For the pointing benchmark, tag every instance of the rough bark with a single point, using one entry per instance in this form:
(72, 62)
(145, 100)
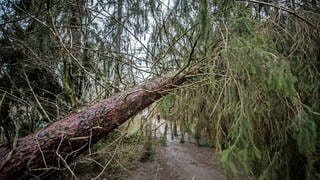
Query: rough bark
(117, 70)
(65, 139)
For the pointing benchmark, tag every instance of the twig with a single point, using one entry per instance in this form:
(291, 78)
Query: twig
(189, 58)
(158, 126)
(63, 160)
(38, 144)
(96, 162)
(104, 168)
(55, 33)
(290, 11)
(90, 139)
(35, 97)
(1, 101)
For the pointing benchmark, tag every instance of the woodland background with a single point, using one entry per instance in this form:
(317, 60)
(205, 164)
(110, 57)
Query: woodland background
(256, 97)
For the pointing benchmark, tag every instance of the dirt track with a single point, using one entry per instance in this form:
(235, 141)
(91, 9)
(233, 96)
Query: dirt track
(179, 161)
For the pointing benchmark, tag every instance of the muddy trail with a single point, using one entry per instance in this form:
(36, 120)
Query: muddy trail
(178, 161)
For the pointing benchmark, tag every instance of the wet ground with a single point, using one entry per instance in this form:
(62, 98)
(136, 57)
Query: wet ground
(178, 161)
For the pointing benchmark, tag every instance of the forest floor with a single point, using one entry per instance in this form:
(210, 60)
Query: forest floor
(178, 161)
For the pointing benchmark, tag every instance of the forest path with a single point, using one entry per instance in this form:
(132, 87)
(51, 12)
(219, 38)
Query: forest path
(179, 161)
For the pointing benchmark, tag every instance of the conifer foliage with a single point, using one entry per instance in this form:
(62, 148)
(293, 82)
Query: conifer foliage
(258, 96)
(255, 96)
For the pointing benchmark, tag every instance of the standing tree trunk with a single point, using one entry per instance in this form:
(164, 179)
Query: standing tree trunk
(117, 70)
(73, 75)
(56, 145)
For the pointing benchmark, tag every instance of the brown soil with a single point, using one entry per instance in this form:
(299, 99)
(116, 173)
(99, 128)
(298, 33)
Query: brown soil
(178, 161)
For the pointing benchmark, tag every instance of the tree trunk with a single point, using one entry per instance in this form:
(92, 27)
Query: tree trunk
(56, 145)
(117, 70)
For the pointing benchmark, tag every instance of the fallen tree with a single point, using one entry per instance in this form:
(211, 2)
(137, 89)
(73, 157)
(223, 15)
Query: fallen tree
(56, 145)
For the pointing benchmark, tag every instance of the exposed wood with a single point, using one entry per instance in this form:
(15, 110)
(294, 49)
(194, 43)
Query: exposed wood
(63, 140)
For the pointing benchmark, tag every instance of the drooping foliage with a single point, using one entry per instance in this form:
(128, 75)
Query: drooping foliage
(258, 97)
